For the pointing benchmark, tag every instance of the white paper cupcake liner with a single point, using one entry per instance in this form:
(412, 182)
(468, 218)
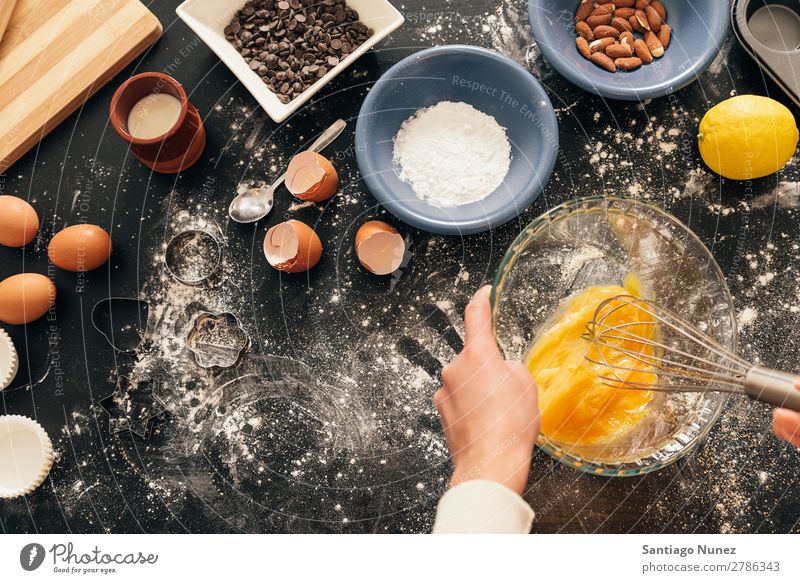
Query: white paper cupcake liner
(21, 436)
(9, 362)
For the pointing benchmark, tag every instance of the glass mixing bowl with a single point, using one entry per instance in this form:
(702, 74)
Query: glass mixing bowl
(597, 241)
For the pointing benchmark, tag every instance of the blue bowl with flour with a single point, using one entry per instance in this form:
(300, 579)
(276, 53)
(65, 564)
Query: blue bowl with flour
(698, 31)
(492, 84)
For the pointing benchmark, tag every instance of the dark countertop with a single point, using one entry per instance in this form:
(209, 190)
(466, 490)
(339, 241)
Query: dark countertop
(348, 441)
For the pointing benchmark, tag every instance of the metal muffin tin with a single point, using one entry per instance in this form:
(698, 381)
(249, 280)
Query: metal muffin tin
(769, 30)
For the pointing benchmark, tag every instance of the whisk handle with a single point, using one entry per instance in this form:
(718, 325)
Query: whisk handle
(776, 388)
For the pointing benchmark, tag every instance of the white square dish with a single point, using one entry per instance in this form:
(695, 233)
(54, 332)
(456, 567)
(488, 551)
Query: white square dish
(208, 19)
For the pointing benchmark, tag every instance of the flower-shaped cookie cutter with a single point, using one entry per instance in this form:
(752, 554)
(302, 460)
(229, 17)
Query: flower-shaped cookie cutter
(217, 339)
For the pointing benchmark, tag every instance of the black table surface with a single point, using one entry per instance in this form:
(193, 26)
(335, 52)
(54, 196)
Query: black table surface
(327, 423)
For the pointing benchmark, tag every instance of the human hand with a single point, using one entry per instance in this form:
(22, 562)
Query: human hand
(489, 407)
(786, 424)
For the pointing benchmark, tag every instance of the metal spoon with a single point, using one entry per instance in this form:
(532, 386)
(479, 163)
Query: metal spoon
(254, 204)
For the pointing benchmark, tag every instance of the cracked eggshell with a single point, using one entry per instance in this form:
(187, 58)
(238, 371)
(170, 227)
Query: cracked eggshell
(80, 248)
(25, 297)
(292, 247)
(19, 222)
(311, 177)
(379, 247)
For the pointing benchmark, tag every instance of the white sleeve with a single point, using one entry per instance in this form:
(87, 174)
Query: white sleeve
(482, 507)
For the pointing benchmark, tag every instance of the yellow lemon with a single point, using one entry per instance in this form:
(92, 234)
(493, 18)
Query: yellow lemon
(748, 136)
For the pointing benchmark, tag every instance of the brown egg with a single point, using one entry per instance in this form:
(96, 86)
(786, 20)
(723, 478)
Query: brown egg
(19, 222)
(292, 247)
(379, 247)
(311, 177)
(25, 297)
(80, 248)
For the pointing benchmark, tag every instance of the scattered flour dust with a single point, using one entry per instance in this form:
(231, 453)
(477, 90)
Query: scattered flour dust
(502, 26)
(452, 154)
(786, 195)
(747, 317)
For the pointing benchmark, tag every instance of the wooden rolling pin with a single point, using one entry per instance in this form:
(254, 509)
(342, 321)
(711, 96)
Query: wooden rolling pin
(6, 8)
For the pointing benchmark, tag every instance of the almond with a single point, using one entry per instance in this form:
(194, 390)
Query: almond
(628, 63)
(655, 46)
(584, 30)
(583, 47)
(653, 18)
(641, 18)
(625, 13)
(621, 24)
(605, 31)
(584, 10)
(617, 51)
(598, 20)
(635, 25)
(607, 8)
(641, 50)
(659, 7)
(601, 44)
(604, 61)
(665, 35)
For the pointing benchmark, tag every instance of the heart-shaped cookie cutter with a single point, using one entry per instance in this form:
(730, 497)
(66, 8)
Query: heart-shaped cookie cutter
(143, 321)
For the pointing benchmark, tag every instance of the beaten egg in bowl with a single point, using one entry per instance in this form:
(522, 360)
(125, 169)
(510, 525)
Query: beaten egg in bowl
(577, 405)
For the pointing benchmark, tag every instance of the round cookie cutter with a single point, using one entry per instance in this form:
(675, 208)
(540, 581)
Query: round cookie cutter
(193, 255)
(9, 360)
(26, 456)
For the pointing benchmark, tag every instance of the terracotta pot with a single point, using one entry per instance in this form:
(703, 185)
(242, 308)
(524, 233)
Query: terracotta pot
(181, 146)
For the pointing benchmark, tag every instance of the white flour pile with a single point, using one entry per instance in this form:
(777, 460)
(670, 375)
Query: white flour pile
(452, 154)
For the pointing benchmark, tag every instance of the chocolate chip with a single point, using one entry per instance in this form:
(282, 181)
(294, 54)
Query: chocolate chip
(291, 44)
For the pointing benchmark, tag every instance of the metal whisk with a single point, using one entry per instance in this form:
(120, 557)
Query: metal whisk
(676, 357)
